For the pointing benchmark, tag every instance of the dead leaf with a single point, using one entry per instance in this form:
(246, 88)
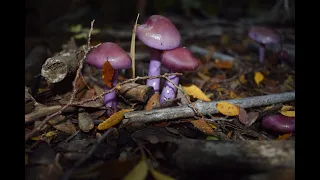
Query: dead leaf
(203, 126)
(242, 79)
(153, 102)
(203, 76)
(85, 121)
(284, 136)
(243, 116)
(107, 73)
(114, 119)
(194, 91)
(228, 109)
(223, 64)
(258, 77)
(50, 134)
(60, 123)
(287, 111)
(139, 172)
(213, 138)
(159, 176)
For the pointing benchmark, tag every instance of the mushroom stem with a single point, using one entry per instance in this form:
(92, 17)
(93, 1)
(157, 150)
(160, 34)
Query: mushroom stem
(261, 52)
(110, 99)
(154, 70)
(169, 90)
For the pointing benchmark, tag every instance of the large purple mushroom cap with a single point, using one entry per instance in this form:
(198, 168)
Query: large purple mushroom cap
(112, 52)
(264, 35)
(179, 59)
(279, 123)
(159, 32)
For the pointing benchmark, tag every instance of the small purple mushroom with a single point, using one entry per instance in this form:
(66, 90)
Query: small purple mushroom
(118, 59)
(263, 36)
(279, 123)
(158, 33)
(176, 60)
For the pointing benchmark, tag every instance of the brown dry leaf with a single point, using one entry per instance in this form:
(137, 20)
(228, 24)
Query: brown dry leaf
(153, 102)
(60, 123)
(90, 93)
(284, 136)
(203, 126)
(258, 77)
(114, 119)
(196, 92)
(247, 118)
(214, 86)
(243, 116)
(269, 82)
(228, 109)
(288, 111)
(233, 95)
(107, 73)
(223, 64)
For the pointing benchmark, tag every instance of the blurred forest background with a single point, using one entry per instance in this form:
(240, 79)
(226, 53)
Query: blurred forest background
(45, 18)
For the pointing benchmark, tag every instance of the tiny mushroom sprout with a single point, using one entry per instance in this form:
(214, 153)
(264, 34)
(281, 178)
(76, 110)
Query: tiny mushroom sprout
(117, 58)
(263, 36)
(158, 33)
(176, 60)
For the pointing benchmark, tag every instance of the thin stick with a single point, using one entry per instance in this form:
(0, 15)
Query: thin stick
(132, 48)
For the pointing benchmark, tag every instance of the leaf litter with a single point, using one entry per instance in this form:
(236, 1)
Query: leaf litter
(86, 132)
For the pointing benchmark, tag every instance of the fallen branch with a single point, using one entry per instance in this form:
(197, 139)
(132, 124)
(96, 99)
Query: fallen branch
(204, 108)
(256, 156)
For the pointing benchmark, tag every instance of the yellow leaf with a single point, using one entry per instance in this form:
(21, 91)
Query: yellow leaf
(228, 109)
(242, 79)
(288, 113)
(76, 28)
(258, 77)
(114, 119)
(139, 172)
(203, 76)
(268, 107)
(159, 176)
(203, 126)
(194, 91)
(286, 108)
(37, 138)
(50, 134)
(212, 126)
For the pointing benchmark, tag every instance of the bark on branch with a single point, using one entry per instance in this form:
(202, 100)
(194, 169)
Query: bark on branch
(204, 108)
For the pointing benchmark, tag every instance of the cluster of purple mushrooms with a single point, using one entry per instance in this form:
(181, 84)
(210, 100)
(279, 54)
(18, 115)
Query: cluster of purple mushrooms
(163, 39)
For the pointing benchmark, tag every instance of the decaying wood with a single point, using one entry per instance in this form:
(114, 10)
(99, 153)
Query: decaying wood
(257, 156)
(204, 108)
(56, 68)
(136, 92)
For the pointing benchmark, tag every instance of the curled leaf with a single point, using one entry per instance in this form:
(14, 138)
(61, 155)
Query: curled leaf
(228, 109)
(287, 111)
(196, 92)
(107, 74)
(114, 119)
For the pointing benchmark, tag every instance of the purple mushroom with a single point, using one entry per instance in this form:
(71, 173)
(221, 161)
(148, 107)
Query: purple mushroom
(263, 36)
(158, 33)
(176, 60)
(279, 123)
(118, 59)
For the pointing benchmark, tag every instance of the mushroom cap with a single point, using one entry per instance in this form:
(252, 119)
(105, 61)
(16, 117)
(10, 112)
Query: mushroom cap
(159, 32)
(112, 52)
(179, 59)
(264, 35)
